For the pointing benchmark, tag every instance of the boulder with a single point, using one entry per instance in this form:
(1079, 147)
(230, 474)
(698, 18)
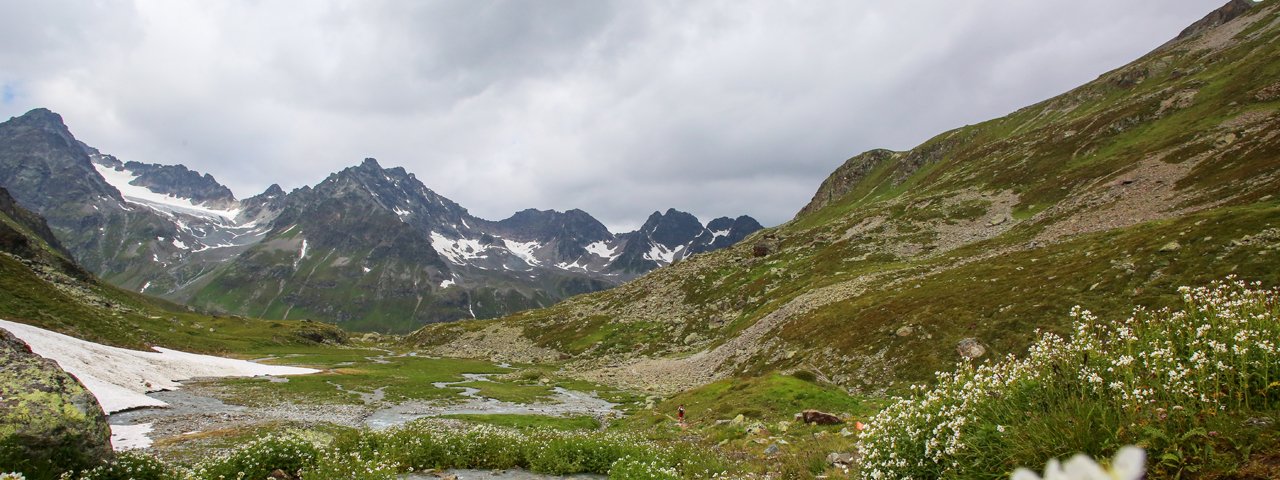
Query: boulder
(970, 349)
(772, 449)
(818, 418)
(49, 423)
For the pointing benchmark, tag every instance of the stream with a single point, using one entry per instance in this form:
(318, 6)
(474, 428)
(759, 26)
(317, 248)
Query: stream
(565, 402)
(192, 410)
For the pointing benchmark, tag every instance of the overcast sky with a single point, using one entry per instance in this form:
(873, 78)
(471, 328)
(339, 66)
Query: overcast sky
(618, 108)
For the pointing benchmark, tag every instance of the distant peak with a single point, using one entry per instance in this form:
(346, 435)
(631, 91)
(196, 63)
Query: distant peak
(370, 162)
(273, 190)
(42, 115)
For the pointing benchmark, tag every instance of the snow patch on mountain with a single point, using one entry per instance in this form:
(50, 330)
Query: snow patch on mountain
(603, 250)
(301, 254)
(524, 250)
(165, 204)
(661, 254)
(457, 251)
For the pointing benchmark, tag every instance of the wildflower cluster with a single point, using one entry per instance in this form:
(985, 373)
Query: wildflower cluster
(258, 458)
(129, 465)
(1154, 379)
(424, 445)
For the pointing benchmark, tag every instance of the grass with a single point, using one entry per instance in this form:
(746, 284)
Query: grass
(426, 445)
(403, 379)
(105, 314)
(770, 398)
(525, 422)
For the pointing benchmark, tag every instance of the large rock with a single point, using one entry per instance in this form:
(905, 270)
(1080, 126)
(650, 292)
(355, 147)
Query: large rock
(818, 417)
(49, 423)
(970, 349)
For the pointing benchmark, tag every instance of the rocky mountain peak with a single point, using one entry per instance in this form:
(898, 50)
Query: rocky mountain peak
(1224, 14)
(672, 228)
(273, 191)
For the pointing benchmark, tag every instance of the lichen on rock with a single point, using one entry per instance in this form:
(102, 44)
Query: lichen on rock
(49, 422)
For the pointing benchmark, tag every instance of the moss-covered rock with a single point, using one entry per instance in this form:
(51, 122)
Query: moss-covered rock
(49, 423)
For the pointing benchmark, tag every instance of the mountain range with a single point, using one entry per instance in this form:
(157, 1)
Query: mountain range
(369, 247)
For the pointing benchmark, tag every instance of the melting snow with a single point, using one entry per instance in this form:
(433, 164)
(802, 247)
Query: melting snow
(659, 253)
(602, 250)
(366, 269)
(120, 377)
(719, 233)
(571, 266)
(447, 283)
(456, 250)
(160, 202)
(401, 212)
(524, 250)
(301, 254)
(144, 287)
(179, 244)
(129, 437)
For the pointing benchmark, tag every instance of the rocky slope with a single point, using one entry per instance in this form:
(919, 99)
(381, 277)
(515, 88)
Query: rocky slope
(1164, 172)
(386, 252)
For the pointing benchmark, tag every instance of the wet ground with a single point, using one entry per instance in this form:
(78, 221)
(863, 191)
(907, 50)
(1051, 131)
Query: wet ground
(194, 409)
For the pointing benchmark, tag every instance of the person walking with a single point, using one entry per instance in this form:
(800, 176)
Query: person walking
(680, 414)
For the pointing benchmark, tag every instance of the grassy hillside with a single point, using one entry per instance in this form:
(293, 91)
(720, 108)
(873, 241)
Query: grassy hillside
(41, 286)
(1158, 174)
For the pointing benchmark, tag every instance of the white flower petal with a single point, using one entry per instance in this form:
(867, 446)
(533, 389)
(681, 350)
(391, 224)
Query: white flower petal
(1053, 471)
(1129, 464)
(1024, 474)
(1082, 467)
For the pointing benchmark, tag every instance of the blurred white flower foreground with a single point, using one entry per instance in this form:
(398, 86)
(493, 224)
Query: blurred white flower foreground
(1128, 464)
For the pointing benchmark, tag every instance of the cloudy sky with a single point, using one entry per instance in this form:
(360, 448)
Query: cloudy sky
(618, 108)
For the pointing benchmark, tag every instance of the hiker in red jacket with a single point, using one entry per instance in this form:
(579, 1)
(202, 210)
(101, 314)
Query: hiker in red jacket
(680, 414)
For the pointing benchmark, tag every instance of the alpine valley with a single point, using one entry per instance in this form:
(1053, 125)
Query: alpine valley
(1094, 278)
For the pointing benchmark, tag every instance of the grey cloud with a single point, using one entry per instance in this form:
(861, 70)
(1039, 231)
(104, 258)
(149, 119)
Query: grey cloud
(619, 108)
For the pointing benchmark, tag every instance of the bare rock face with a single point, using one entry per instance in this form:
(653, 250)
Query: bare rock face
(49, 423)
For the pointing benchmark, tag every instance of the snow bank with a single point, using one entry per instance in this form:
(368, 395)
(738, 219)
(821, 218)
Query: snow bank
(120, 378)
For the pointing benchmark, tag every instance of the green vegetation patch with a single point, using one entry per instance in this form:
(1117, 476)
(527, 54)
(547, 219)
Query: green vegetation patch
(523, 422)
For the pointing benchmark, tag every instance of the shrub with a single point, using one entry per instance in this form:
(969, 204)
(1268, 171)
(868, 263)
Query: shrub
(259, 458)
(1174, 382)
(130, 465)
(628, 468)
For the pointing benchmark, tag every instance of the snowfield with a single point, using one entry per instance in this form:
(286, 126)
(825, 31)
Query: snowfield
(120, 378)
